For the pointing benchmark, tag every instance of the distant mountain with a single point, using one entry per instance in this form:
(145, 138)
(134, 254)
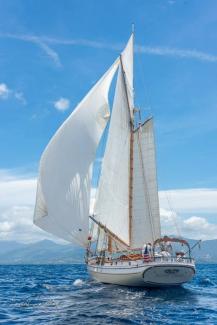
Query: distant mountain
(48, 252)
(42, 252)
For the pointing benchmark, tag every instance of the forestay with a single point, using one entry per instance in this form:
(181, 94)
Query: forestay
(64, 183)
(146, 218)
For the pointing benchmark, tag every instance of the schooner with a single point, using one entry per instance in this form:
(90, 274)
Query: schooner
(122, 235)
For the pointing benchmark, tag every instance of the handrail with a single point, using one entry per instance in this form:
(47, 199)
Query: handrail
(157, 259)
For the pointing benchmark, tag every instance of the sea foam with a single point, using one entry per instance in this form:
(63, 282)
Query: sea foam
(78, 282)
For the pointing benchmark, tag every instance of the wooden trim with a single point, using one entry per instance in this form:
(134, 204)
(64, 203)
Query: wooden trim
(131, 187)
(109, 244)
(131, 157)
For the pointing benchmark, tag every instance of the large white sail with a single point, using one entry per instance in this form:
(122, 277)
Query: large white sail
(146, 218)
(63, 193)
(127, 59)
(112, 203)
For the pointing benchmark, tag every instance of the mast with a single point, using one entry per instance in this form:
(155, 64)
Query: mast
(131, 114)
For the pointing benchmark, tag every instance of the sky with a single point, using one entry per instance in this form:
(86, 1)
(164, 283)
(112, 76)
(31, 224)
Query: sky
(52, 52)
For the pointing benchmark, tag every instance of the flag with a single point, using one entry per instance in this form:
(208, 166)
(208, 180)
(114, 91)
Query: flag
(146, 256)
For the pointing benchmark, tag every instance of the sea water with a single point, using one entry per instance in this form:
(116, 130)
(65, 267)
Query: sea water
(64, 294)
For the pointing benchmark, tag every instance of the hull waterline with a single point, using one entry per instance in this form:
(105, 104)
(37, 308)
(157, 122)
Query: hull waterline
(146, 275)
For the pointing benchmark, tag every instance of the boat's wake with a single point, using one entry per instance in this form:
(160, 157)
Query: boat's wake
(78, 283)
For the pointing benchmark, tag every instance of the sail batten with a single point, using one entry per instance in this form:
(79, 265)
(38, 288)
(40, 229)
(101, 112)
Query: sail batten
(64, 183)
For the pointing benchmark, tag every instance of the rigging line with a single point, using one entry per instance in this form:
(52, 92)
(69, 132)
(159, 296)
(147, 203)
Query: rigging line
(174, 219)
(114, 237)
(147, 197)
(147, 91)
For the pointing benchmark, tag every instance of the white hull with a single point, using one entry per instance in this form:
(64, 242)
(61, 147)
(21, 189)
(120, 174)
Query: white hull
(149, 274)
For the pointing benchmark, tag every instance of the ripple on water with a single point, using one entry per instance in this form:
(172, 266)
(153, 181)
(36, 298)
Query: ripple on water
(64, 294)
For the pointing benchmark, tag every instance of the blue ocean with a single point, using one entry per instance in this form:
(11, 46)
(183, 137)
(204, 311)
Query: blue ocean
(64, 294)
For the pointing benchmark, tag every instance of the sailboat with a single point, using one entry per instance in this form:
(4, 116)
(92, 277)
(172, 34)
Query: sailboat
(122, 235)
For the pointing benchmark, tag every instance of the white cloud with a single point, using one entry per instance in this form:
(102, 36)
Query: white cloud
(20, 96)
(199, 228)
(193, 227)
(43, 42)
(6, 226)
(62, 104)
(17, 194)
(39, 42)
(17, 225)
(4, 91)
(175, 52)
(170, 223)
(189, 202)
(49, 51)
(196, 200)
(139, 48)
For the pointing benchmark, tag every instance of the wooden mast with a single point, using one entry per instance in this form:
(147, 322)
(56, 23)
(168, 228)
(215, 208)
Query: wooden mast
(131, 186)
(131, 115)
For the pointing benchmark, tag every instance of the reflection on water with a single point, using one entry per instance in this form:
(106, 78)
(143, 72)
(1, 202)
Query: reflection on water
(64, 294)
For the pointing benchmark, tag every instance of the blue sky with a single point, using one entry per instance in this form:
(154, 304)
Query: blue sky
(52, 52)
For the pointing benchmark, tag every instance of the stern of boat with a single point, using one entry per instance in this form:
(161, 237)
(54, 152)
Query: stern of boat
(169, 273)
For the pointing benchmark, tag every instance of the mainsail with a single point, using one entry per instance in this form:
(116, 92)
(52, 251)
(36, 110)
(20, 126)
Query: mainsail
(64, 183)
(146, 218)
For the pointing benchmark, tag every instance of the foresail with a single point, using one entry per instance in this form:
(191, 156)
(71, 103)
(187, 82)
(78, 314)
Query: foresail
(112, 203)
(64, 183)
(146, 218)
